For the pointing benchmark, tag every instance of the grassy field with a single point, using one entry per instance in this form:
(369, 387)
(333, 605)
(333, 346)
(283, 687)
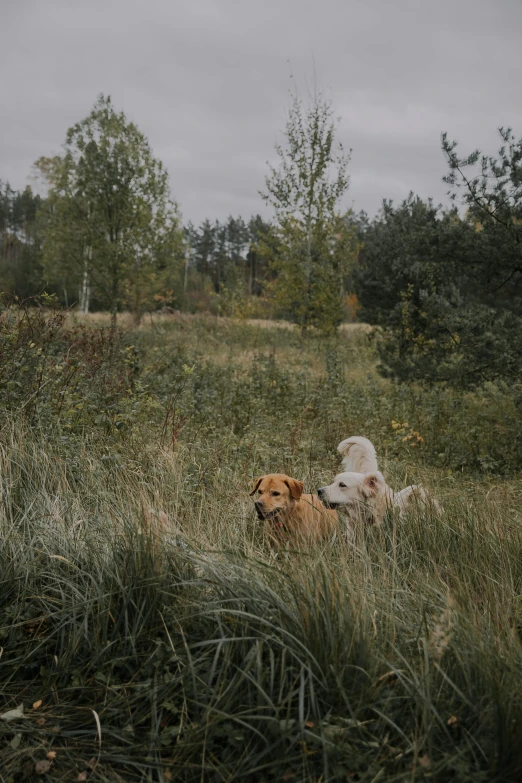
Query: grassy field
(148, 629)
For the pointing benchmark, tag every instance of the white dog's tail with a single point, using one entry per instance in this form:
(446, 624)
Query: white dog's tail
(358, 455)
(415, 495)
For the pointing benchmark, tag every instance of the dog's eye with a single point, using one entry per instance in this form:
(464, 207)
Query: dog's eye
(342, 485)
(276, 494)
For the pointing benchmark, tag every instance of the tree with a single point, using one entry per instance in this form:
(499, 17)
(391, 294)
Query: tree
(314, 238)
(259, 254)
(111, 226)
(493, 197)
(414, 249)
(20, 242)
(219, 249)
(449, 288)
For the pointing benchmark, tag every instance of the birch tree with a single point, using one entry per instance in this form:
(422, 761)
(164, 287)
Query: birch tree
(315, 241)
(112, 228)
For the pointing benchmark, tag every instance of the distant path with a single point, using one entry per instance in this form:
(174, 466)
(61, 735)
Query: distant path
(127, 320)
(266, 322)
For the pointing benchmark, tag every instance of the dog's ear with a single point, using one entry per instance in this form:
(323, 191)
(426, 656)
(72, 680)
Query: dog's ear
(371, 484)
(296, 488)
(258, 482)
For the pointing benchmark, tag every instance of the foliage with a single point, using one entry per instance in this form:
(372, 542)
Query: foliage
(68, 380)
(231, 257)
(229, 381)
(314, 241)
(415, 248)
(111, 224)
(148, 630)
(449, 287)
(20, 242)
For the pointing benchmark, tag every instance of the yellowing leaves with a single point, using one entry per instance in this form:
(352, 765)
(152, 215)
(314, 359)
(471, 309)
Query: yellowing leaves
(413, 437)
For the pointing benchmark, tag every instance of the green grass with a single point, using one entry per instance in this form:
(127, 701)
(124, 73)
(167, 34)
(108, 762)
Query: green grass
(189, 650)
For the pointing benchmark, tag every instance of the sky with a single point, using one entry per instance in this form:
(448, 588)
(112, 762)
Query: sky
(209, 83)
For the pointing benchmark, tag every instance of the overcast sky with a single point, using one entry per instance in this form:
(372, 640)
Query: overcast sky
(208, 82)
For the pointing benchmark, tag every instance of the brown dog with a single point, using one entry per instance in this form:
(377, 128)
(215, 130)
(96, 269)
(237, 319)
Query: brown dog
(289, 515)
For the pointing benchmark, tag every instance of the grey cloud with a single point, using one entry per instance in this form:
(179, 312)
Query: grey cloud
(208, 82)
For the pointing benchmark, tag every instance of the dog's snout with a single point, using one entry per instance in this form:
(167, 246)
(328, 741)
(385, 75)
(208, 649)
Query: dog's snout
(258, 504)
(320, 492)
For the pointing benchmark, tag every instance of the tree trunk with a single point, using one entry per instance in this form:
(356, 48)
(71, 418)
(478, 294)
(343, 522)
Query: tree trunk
(308, 271)
(138, 312)
(85, 289)
(251, 271)
(114, 300)
(185, 278)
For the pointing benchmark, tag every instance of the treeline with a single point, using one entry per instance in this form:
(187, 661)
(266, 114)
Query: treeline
(219, 255)
(108, 235)
(444, 284)
(225, 261)
(20, 242)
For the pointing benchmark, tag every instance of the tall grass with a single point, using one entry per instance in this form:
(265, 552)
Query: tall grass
(151, 633)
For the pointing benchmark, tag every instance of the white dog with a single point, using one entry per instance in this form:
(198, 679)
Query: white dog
(361, 492)
(367, 497)
(358, 455)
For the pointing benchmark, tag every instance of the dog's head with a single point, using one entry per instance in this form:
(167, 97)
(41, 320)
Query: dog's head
(276, 494)
(352, 490)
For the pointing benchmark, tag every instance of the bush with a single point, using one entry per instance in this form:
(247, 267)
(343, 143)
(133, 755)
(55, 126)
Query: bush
(68, 379)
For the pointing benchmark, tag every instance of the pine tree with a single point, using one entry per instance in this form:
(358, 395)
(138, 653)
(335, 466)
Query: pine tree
(448, 286)
(20, 242)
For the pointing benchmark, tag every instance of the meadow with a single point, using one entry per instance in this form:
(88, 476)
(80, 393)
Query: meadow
(148, 632)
